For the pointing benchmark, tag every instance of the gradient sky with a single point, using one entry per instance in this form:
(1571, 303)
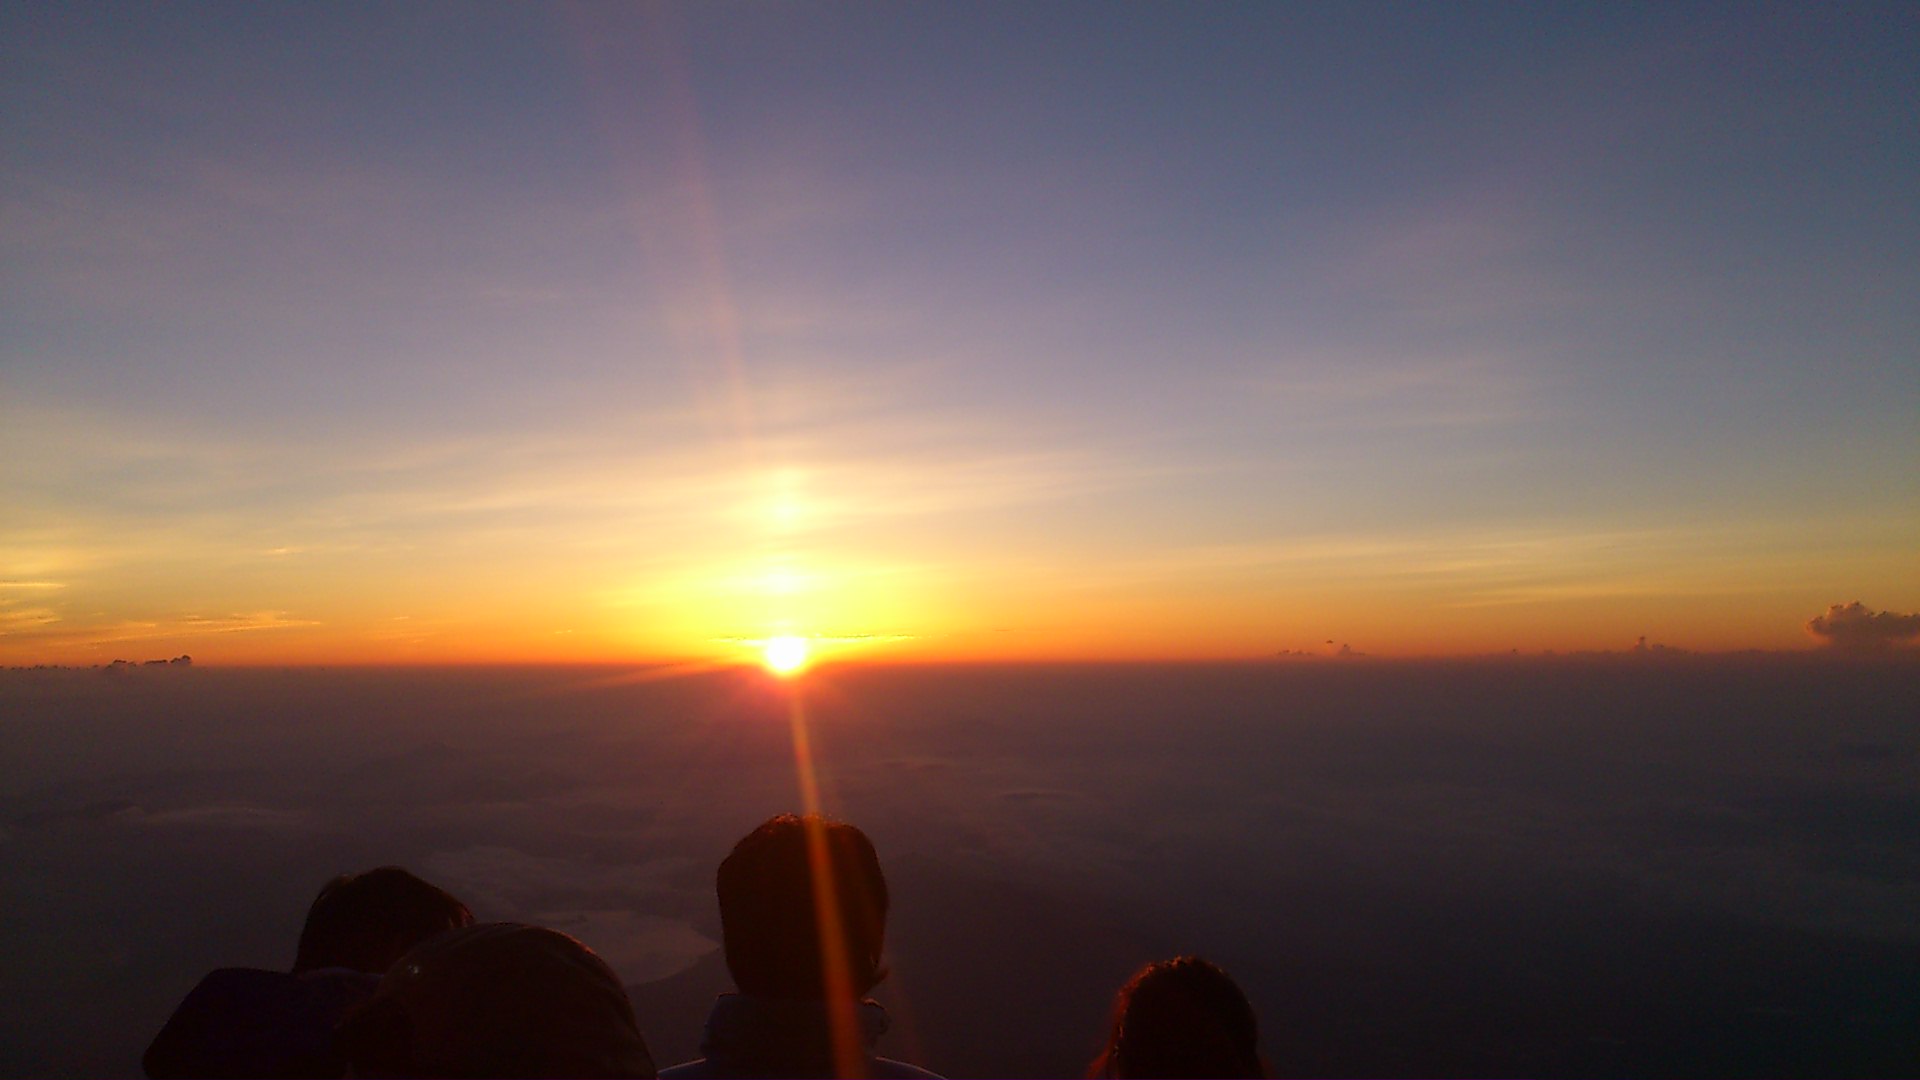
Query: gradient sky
(419, 332)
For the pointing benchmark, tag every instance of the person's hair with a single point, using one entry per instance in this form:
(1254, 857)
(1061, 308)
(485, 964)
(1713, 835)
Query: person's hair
(1181, 1018)
(366, 921)
(497, 1000)
(770, 888)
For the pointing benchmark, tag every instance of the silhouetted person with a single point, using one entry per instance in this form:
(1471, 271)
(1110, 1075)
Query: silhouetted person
(497, 1000)
(803, 915)
(249, 1022)
(1181, 1018)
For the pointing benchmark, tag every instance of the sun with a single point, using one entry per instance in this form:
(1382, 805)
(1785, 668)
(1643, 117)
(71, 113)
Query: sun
(785, 656)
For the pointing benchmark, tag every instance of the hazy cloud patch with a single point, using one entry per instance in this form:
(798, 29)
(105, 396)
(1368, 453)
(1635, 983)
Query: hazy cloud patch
(642, 948)
(1856, 627)
(230, 816)
(1780, 884)
(503, 882)
(1036, 795)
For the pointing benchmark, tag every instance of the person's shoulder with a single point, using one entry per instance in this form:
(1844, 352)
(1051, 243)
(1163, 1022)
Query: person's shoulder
(224, 990)
(889, 1069)
(251, 990)
(879, 1068)
(236, 980)
(253, 1022)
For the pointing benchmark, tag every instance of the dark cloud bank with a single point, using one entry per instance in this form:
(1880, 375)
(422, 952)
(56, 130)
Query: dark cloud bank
(1625, 865)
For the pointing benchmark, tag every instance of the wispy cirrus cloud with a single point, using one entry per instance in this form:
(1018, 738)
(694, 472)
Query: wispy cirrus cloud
(1347, 393)
(21, 619)
(55, 632)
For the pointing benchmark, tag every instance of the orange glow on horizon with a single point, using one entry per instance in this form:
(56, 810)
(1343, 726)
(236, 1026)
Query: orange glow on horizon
(790, 608)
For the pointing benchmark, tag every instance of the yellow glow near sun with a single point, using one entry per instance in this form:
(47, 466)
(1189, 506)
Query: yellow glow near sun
(785, 655)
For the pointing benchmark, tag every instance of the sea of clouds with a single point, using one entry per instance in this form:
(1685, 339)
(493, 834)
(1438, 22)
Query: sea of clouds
(1625, 865)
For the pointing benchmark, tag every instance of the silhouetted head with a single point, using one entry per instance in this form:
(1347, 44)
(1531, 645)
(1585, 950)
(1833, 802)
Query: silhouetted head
(494, 1000)
(1181, 1017)
(365, 921)
(771, 888)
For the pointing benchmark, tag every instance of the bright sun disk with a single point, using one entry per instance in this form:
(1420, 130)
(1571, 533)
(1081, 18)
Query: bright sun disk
(785, 655)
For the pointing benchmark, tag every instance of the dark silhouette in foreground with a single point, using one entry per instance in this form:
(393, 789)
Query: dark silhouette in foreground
(803, 915)
(498, 1000)
(246, 1022)
(1181, 1018)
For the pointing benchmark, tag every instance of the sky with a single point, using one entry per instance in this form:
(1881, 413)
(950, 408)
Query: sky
(427, 333)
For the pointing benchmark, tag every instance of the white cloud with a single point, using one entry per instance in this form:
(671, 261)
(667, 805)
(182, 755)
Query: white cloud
(1858, 628)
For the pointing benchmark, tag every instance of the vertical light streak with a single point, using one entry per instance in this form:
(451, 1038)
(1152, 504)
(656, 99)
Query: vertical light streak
(841, 999)
(634, 114)
(648, 104)
(802, 752)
